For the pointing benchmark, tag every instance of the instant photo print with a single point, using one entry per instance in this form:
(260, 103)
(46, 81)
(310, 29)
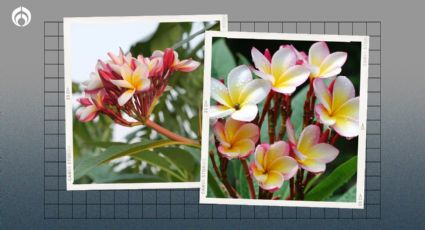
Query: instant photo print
(287, 119)
(132, 87)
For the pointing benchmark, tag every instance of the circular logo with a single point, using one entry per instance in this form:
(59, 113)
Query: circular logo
(21, 16)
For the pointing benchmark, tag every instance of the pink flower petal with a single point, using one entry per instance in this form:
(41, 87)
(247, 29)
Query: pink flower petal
(248, 131)
(286, 165)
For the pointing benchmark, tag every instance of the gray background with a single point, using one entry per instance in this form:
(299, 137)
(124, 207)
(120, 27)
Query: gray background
(22, 110)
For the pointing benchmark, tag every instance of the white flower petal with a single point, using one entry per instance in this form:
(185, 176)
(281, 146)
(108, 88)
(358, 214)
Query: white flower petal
(282, 60)
(323, 153)
(220, 93)
(322, 93)
(260, 61)
(125, 97)
(308, 138)
(323, 115)
(343, 90)
(264, 76)
(122, 83)
(254, 92)
(317, 53)
(219, 111)
(236, 80)
(333, 61)
(246, 113)
(295, 76)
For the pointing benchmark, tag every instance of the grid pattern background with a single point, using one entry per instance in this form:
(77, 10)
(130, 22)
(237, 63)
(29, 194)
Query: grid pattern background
(184, 204)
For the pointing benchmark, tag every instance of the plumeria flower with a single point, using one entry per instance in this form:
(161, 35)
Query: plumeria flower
(94, 84)
(309, 153)
(154, 64)
(91, 106)
(133, 81)
(272, 165)
(171, 59)
(324, 64)
(338, 108)
(241, 97)
(282, 71)
(237, 139)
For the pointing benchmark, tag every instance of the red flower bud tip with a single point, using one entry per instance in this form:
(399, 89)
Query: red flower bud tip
(168, 58)
(268, 55)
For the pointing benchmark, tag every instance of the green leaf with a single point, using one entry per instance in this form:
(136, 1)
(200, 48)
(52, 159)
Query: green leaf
(165, 36)
(348, 196)
(214, 187)
(84, 164)
(153, 157)
(222, 59)
(104, 144)
(104, 174)
(242, 187)
(337, 178)
(242, 60)
(180, 158)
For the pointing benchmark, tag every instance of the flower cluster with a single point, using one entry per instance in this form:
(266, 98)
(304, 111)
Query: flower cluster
(129, 85)
(331, 109)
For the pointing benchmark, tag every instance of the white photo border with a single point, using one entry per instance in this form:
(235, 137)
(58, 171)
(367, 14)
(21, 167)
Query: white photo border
(67, 22)
(363, 91)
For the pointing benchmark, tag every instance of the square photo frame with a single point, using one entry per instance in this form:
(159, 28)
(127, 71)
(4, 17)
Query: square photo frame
(132, 87)
(287, 119)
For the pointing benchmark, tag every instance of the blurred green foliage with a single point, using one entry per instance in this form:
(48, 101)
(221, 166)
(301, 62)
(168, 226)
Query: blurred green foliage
(146, 156)
(338, 183)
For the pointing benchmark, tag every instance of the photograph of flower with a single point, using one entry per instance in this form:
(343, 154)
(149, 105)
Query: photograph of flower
(132, 100)
(287, 117)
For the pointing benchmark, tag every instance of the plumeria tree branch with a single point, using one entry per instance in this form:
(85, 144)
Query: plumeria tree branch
(248, 178)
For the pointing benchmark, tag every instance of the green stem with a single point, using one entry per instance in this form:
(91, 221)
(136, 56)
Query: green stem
(171, 135)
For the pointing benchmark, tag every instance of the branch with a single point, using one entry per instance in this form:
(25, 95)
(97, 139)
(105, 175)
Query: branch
(248, 178)
(170, 134)
(186, 40)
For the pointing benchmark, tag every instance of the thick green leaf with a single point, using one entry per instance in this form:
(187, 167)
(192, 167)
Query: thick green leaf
(153, 157)
(348, 196)
(242, 60)
(242, 187)
(105, 174)
(165, 36)
(179, 157)
(214, 187)
(84, 164)
(335, 180)
(222, 59)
